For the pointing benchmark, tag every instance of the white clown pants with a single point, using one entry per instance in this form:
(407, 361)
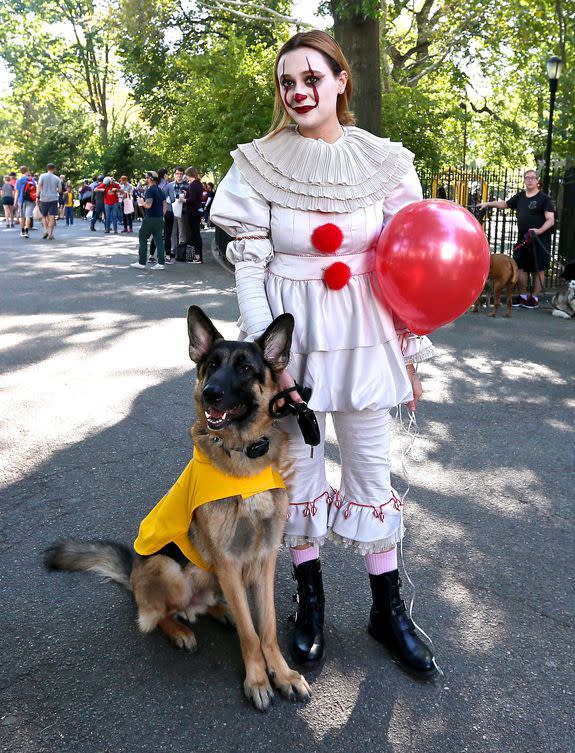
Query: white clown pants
(365, 512)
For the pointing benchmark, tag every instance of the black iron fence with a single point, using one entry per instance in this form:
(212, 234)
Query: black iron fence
(470, 187)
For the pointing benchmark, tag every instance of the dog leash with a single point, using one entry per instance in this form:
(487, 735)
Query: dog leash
(305, 417)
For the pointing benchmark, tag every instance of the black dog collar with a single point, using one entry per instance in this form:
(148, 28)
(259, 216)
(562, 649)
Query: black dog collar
(254, 450)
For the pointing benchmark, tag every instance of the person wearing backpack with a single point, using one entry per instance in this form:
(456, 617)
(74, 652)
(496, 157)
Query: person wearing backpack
(27, 195)
(49, 190)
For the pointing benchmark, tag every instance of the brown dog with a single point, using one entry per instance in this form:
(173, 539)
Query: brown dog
(503, 271)
(236, 538)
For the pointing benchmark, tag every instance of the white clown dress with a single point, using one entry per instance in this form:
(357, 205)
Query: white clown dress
(280, 202)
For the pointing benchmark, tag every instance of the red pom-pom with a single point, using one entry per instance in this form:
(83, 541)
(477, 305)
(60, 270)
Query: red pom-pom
(327, 238)
(337, 275)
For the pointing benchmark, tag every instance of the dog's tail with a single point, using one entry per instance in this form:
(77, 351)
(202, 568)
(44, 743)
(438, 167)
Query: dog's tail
(111, 560)
(515, 271)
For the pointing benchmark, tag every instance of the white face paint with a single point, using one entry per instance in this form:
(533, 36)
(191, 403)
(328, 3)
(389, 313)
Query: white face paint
(309, 88)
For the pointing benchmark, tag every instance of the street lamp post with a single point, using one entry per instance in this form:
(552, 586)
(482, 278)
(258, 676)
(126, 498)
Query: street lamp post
(554, 68)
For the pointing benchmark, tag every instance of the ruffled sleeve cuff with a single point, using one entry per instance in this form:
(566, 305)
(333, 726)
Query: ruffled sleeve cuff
(415, 348)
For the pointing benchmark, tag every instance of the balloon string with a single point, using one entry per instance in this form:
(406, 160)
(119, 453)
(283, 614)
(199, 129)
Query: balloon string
(412, 432)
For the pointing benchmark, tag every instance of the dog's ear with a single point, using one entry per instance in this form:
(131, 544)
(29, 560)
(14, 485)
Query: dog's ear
(276, 342)
(201, 333)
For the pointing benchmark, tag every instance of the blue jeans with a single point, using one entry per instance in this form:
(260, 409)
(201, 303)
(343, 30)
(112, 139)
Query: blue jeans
(96, 212)
(69, 215)
(111, 213)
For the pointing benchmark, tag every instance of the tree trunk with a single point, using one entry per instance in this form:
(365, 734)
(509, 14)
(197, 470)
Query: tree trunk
(359, 39)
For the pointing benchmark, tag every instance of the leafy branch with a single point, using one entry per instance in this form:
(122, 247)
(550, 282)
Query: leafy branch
(252, 11)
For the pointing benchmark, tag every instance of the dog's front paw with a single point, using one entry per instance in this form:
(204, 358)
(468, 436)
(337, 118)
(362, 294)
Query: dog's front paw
(259, 692)
(292, 685)
(182, 636)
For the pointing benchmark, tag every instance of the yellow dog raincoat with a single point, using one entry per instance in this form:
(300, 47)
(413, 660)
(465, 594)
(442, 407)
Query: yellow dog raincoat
(200, 482)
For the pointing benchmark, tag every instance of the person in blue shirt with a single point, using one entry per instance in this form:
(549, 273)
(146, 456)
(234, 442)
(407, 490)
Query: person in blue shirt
(153, 222)
(26, 201)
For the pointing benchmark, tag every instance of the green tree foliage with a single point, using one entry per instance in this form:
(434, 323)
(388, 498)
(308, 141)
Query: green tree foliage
(70, 40)
(491, 58)
(528, 33)
(449, 67)
(125, 85)
(205, 86)
(222, 97)
(67, 102)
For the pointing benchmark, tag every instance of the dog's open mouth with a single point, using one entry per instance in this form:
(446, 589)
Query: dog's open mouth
(218, 419)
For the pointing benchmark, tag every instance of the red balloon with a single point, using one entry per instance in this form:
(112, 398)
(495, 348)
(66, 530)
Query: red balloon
(432, 263)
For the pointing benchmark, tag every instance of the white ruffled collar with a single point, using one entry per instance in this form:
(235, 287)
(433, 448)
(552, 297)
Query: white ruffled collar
(291, 170)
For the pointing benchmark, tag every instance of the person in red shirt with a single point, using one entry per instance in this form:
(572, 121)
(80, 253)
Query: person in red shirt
(111, 202)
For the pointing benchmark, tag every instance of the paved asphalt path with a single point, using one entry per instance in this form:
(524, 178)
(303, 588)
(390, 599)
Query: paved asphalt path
(95, 407)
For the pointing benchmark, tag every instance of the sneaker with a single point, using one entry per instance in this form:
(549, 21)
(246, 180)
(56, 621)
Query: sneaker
(517, 301)
(196, 260)
(152, 260)
(93, 229)
(157, 266)
(169, 260)
(137, 265)
(26, 235)
(530, 303)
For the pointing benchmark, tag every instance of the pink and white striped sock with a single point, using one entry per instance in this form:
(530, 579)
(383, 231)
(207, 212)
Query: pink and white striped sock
(298, 556)
(382, 562)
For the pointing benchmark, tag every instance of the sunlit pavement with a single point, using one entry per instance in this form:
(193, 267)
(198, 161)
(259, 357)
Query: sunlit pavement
(95, 403)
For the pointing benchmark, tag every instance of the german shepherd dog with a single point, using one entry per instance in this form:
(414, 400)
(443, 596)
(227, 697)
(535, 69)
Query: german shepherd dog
(239, 538)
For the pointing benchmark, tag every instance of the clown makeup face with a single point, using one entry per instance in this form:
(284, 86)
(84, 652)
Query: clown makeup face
(310, 90)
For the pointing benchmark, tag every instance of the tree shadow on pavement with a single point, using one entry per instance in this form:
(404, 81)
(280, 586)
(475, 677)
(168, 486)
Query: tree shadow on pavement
(82, 678)
(489, 534)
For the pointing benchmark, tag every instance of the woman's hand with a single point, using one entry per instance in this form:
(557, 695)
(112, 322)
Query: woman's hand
(286, 381)
(416, 387)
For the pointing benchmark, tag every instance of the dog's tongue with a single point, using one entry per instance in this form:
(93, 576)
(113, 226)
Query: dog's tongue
(215, 413)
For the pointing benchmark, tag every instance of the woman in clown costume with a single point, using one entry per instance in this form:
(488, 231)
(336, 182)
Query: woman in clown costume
(305, 206)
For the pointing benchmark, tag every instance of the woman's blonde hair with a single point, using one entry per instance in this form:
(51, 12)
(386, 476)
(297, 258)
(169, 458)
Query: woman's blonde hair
(332, 52)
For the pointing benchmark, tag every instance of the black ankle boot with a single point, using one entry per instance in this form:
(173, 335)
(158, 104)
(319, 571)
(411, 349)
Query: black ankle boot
(390, 624)
(307, 639)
